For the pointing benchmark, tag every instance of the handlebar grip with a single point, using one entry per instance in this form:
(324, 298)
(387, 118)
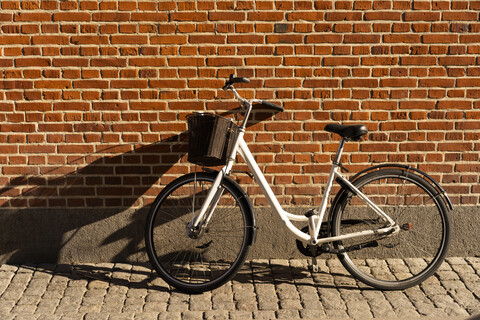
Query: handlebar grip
(272, 106)
(240, 79)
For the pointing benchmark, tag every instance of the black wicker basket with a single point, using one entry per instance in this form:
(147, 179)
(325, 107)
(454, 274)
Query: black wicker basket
(210, 138)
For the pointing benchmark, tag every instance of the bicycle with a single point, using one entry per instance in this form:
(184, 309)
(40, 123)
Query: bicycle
(201, 226)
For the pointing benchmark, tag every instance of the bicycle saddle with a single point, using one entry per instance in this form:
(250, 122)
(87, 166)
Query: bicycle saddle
(352, 132)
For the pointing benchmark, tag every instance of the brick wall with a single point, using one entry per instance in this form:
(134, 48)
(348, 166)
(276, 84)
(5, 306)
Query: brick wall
(93, 95)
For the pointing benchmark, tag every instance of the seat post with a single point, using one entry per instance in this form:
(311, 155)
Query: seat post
(339, 152)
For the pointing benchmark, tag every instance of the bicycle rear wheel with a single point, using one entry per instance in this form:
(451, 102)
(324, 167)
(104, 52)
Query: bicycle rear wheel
(402, 259)
(201, 262)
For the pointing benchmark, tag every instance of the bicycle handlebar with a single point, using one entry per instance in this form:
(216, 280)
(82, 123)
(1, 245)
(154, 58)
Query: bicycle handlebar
(270, 105)
(232, 80)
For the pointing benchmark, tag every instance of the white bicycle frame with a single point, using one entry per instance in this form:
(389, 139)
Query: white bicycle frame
(314, 221)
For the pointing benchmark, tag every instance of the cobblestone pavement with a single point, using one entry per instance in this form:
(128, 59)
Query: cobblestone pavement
(264, 289)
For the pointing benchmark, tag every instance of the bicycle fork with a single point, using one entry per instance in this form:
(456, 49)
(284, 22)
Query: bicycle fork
(199, 222)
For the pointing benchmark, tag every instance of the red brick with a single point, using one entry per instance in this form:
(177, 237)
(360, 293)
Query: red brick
(169, 39)
(220, 61)
(267, 61)
(378, 147)
(360, 83)
(362, 38)
(297, 190)
(111, 16)
(440, 38)
(470, 82)
(71, 16)
(398, 82)
(226, 16)
(383, 15)
(417, 105)
(129, 39)
(454, 104)
(188, 16)
(167, 83)
(53, 84)
(217, 39)
(245, 39)
(342, 105)
(460, 16)
(282, 169)
(433, 82)
(343, 16)
(341, 61)
(379, 105)
(305, 16)
(418, 61)
(147, 62)
(324, 38)
(321, 83)
(302, 61)
(284, 38)
(422, 16)
(32, 17)
(149, 16)
(282, 83)
(265, 16)
(402, 38)
(456, 61)
(379, 61)
(417, 147)
(108, 62)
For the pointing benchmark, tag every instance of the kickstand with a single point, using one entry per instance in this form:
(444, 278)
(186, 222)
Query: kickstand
(314, 265)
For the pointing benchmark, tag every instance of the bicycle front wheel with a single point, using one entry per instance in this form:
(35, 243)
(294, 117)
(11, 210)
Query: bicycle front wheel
(399, 260)
(205, 260)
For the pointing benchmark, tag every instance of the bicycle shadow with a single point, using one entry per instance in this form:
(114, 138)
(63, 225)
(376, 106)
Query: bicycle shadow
(142, 277)
(100, 207)
(270, 272)
(94, 213)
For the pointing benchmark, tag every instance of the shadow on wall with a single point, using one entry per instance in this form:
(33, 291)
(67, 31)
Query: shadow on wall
(95, 214)
(89, 215)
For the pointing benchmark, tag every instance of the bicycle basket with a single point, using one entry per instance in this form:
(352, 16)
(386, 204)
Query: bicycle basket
(210, 138)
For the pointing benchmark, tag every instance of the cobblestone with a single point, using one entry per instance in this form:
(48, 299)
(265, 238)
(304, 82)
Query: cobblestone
(264, 289)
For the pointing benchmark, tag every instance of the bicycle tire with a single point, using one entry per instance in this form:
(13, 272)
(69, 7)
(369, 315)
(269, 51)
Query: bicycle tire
(400, 260)
(202, 264)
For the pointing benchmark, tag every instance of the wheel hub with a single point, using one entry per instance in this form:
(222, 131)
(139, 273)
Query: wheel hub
(194, 232)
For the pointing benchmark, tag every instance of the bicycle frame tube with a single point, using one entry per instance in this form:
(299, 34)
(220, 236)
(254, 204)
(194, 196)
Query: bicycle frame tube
(365, 199)
(286, 217)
